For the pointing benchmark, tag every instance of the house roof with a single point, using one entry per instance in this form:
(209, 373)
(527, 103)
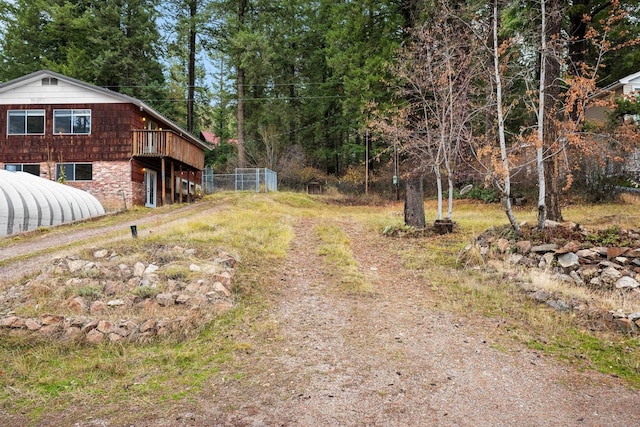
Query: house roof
(214, 139)
(631, 78)
(210, 137)
(12, 84)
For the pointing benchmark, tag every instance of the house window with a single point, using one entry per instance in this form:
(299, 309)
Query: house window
(74, 171)
(72, 122)
(25, 122)
(49, 81)
(20, 167)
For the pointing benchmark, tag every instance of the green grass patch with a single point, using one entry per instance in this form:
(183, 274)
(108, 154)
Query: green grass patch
(335, 248)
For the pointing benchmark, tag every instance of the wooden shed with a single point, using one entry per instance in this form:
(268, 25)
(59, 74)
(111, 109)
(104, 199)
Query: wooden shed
(314, 187)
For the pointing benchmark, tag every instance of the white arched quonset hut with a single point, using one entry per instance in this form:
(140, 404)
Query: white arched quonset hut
(28, 202)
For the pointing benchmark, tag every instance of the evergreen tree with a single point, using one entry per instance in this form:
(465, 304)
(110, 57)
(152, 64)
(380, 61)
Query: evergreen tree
(109, 43)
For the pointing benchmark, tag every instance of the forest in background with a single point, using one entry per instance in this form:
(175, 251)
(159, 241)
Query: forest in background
(316, 89)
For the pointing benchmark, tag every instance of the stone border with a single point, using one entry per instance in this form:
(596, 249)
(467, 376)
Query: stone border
(201, 300)
(606, 268)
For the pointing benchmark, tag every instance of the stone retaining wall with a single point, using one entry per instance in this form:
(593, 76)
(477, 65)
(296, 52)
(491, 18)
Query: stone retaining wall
(611, 269)
(113, 301)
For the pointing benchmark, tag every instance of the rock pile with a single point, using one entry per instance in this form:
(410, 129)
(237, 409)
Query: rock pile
(574, 259)
(107, 299)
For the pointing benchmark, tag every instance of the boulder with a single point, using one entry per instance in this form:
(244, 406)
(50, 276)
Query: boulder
(77, 305)
(549, 247)
(111, 287)
(104, 326)
(588, 254)
(33, 324)
(148, 325)
(524, 246)
(626, 282)
(514, 259)
(224, 278)
(551, 224)
(165, 299)
(558, 305)
(97, 307)
(546, 261)
(569, 261)
(610, 275)
(572, 246)
(75, 265)
(502, 245)
(94, 337)
(50, 330)
(626, 325)
(138, 269)
(151, 268)
(101, 253)
(116, 303)
(540, 295)
(51, 319)
(616, 252)
(576, 278)
(221, 289)
(183, 299)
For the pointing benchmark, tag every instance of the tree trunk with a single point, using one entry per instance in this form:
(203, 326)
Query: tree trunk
(191, 72)
(551, 95)
(436, 170)
(240, 141)
(506, 186)
(414, 203)
(242, 4)
(554, 212)
(541, 116)
(450, 206)
(414, 193)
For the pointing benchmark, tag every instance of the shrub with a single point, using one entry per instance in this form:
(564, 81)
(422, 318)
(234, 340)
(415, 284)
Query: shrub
(89, 292)
(487, 195)
(146, 292)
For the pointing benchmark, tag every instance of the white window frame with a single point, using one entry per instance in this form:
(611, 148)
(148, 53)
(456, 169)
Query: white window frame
(73, 113)
(19, 167)
(72, 166)
(26, 114)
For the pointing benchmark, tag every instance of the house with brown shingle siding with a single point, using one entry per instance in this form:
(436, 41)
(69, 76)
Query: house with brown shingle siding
(111, 145)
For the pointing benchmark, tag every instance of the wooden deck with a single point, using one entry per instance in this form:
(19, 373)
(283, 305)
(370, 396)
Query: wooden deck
(167, 143)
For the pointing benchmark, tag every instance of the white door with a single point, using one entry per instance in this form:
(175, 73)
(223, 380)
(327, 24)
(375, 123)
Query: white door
(151, 186)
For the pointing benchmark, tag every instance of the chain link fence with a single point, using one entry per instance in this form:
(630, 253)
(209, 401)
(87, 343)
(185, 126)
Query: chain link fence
(244, 179)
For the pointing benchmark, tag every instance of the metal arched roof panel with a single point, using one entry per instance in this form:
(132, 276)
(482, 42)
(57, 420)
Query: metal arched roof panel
(28, 202)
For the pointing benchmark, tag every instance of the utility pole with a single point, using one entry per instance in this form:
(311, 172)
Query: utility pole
(366, 162)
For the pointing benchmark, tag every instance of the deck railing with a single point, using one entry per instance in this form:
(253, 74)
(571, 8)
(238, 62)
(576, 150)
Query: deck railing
(166, 143)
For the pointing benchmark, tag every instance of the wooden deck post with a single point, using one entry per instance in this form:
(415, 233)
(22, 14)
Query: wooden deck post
(163, 198)
(173, 183)
(180, 186)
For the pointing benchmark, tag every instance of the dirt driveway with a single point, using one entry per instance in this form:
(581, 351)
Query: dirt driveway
(391, 358)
